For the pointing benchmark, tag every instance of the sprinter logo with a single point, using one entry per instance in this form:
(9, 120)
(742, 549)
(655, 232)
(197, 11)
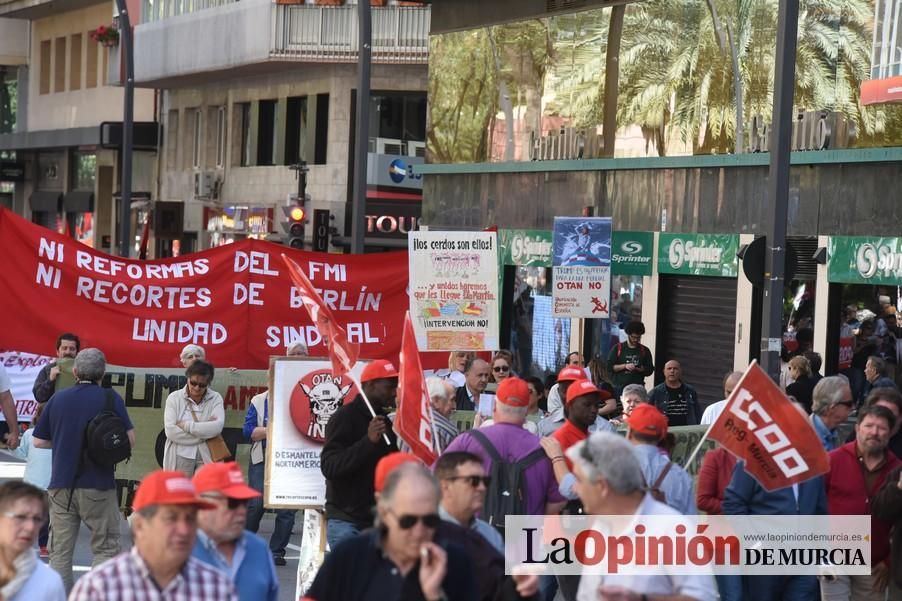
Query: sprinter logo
(871, 259)
(681, 252)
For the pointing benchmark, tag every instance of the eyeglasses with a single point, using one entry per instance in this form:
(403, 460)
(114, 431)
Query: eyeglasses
(501, 369)
(473, 480)
(850, 404)
(408, 521)
(198, 384)
(233, 504)
(21, 519)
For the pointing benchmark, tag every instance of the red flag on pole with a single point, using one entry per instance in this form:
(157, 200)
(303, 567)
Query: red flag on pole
(765, 430)
(413, 422)
(342, 353)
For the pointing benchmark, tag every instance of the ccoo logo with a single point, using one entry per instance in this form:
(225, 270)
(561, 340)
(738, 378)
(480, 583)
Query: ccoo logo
(631, 247)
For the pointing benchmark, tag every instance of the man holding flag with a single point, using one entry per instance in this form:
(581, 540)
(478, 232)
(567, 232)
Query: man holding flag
(354, 445)
(774, 476)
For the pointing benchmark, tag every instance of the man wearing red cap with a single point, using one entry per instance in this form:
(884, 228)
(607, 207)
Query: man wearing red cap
(354, 444)
(518, 449)
(159, 566)
(557, 394)
(222, 541)
(583, 401)
(647, 426)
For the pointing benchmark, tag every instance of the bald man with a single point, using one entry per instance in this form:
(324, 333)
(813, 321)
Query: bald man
(676, 399)
(715, 409)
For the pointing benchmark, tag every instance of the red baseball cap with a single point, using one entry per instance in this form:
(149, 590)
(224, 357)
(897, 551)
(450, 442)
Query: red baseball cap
(646, 419)
(570, 374)
(223, 478)
(513, 392)
(583, 387)
(377, 370)
(167, 487)
(388, 464)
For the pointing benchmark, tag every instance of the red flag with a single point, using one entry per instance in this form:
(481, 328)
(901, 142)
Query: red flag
(413, 422)
(342, 352)
(763, 428)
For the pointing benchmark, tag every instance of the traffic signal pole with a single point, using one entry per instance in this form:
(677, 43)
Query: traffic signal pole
(778, 188)
(362, 132)
(128, 111)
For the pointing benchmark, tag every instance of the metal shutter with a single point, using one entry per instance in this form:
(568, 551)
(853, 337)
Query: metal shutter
(696, 326)
(805, 249)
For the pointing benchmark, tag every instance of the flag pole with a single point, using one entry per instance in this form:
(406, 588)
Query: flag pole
(699, 446)
(366, 400)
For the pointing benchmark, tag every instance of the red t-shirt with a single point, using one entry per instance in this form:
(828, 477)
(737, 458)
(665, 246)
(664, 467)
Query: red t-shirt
(568, 435)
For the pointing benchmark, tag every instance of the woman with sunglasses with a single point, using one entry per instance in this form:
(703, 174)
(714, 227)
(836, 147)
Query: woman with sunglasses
(193, 415)
(24, 577)
(501, 368)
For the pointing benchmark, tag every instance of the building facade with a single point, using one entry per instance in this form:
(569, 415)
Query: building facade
(251, 89)
(59, 169)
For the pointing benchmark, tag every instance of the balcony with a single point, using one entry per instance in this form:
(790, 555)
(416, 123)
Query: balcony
(230, 39)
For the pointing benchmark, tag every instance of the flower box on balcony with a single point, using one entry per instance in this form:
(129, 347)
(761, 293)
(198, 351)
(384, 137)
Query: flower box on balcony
(289, 1)
(329, 2)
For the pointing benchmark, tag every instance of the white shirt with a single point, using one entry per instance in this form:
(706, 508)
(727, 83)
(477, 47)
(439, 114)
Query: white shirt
(701, 588)
(5, 383)
(712, 412)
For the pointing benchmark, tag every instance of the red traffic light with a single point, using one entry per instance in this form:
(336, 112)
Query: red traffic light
(297, 214)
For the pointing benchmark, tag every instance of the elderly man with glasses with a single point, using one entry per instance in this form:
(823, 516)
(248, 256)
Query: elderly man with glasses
(831, 405)
(193, 415)
(464, 484)
(222, 541)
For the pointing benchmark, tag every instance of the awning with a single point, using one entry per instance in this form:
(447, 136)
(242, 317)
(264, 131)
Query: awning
(881, 91)
(46, 201)
(79, 201)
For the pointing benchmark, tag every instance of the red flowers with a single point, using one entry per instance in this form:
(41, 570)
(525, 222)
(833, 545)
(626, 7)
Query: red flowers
(106, 35)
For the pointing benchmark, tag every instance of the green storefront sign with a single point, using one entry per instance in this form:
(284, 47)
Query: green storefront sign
(527, 248)
(863, 260)
(712, 255)
(631, 252)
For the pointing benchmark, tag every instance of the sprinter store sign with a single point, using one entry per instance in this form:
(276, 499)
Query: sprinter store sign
(865, 260)
(711, 255)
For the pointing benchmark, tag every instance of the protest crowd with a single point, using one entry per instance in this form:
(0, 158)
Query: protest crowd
(596, 441)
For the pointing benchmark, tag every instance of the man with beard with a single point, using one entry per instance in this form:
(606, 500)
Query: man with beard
(354, 445)
(858, 470)
(67, 346)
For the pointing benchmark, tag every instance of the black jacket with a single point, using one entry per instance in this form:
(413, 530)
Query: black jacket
(463, 400)
(44, 387)
(349, 461)
(887, 506)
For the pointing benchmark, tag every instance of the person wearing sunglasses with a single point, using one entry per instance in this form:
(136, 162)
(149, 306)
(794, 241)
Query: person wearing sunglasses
(399, 558)
(23, 576)
(222, 541)
(193, 415)
(464, 484)
(831, 404)
(501, 369)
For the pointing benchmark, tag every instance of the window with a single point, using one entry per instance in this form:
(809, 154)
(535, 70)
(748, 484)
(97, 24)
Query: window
(172, 140)
(296, 131)
(400, 120)
(322, 129)
(75, 62)
(243, 113)
(221, 137)
(91, 65)
(59, 67)
(197, 139)
(266, 133)
(84, 170)
(45, 67)
(8, 100)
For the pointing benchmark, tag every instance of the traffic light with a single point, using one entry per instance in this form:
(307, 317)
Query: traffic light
(296, 217)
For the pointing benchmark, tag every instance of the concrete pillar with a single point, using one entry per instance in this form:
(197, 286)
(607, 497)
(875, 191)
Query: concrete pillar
(821, 304)
(744, 292)
(650, 308)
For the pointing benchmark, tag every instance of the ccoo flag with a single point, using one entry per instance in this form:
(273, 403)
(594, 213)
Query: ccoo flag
(342, 353)
(413, 423)
(771, 435)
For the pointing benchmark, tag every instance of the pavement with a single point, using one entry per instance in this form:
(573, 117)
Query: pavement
(12, 468)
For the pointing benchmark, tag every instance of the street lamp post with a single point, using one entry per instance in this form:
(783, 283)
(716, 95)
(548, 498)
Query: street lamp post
(778, 188)
(128, 117)
(362, 131)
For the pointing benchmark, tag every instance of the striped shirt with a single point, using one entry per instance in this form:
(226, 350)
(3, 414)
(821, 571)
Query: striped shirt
(445, 432)
(127, 578)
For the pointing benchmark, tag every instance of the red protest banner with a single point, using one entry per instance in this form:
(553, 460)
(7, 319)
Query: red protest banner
(413, 423)
(237, 301)
(756, 425)
(342, 352)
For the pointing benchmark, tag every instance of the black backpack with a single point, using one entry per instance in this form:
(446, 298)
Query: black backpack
(106, 438)
(507, 488)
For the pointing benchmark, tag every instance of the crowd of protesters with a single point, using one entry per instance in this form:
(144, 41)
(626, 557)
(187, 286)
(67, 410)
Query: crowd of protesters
(594, 442)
